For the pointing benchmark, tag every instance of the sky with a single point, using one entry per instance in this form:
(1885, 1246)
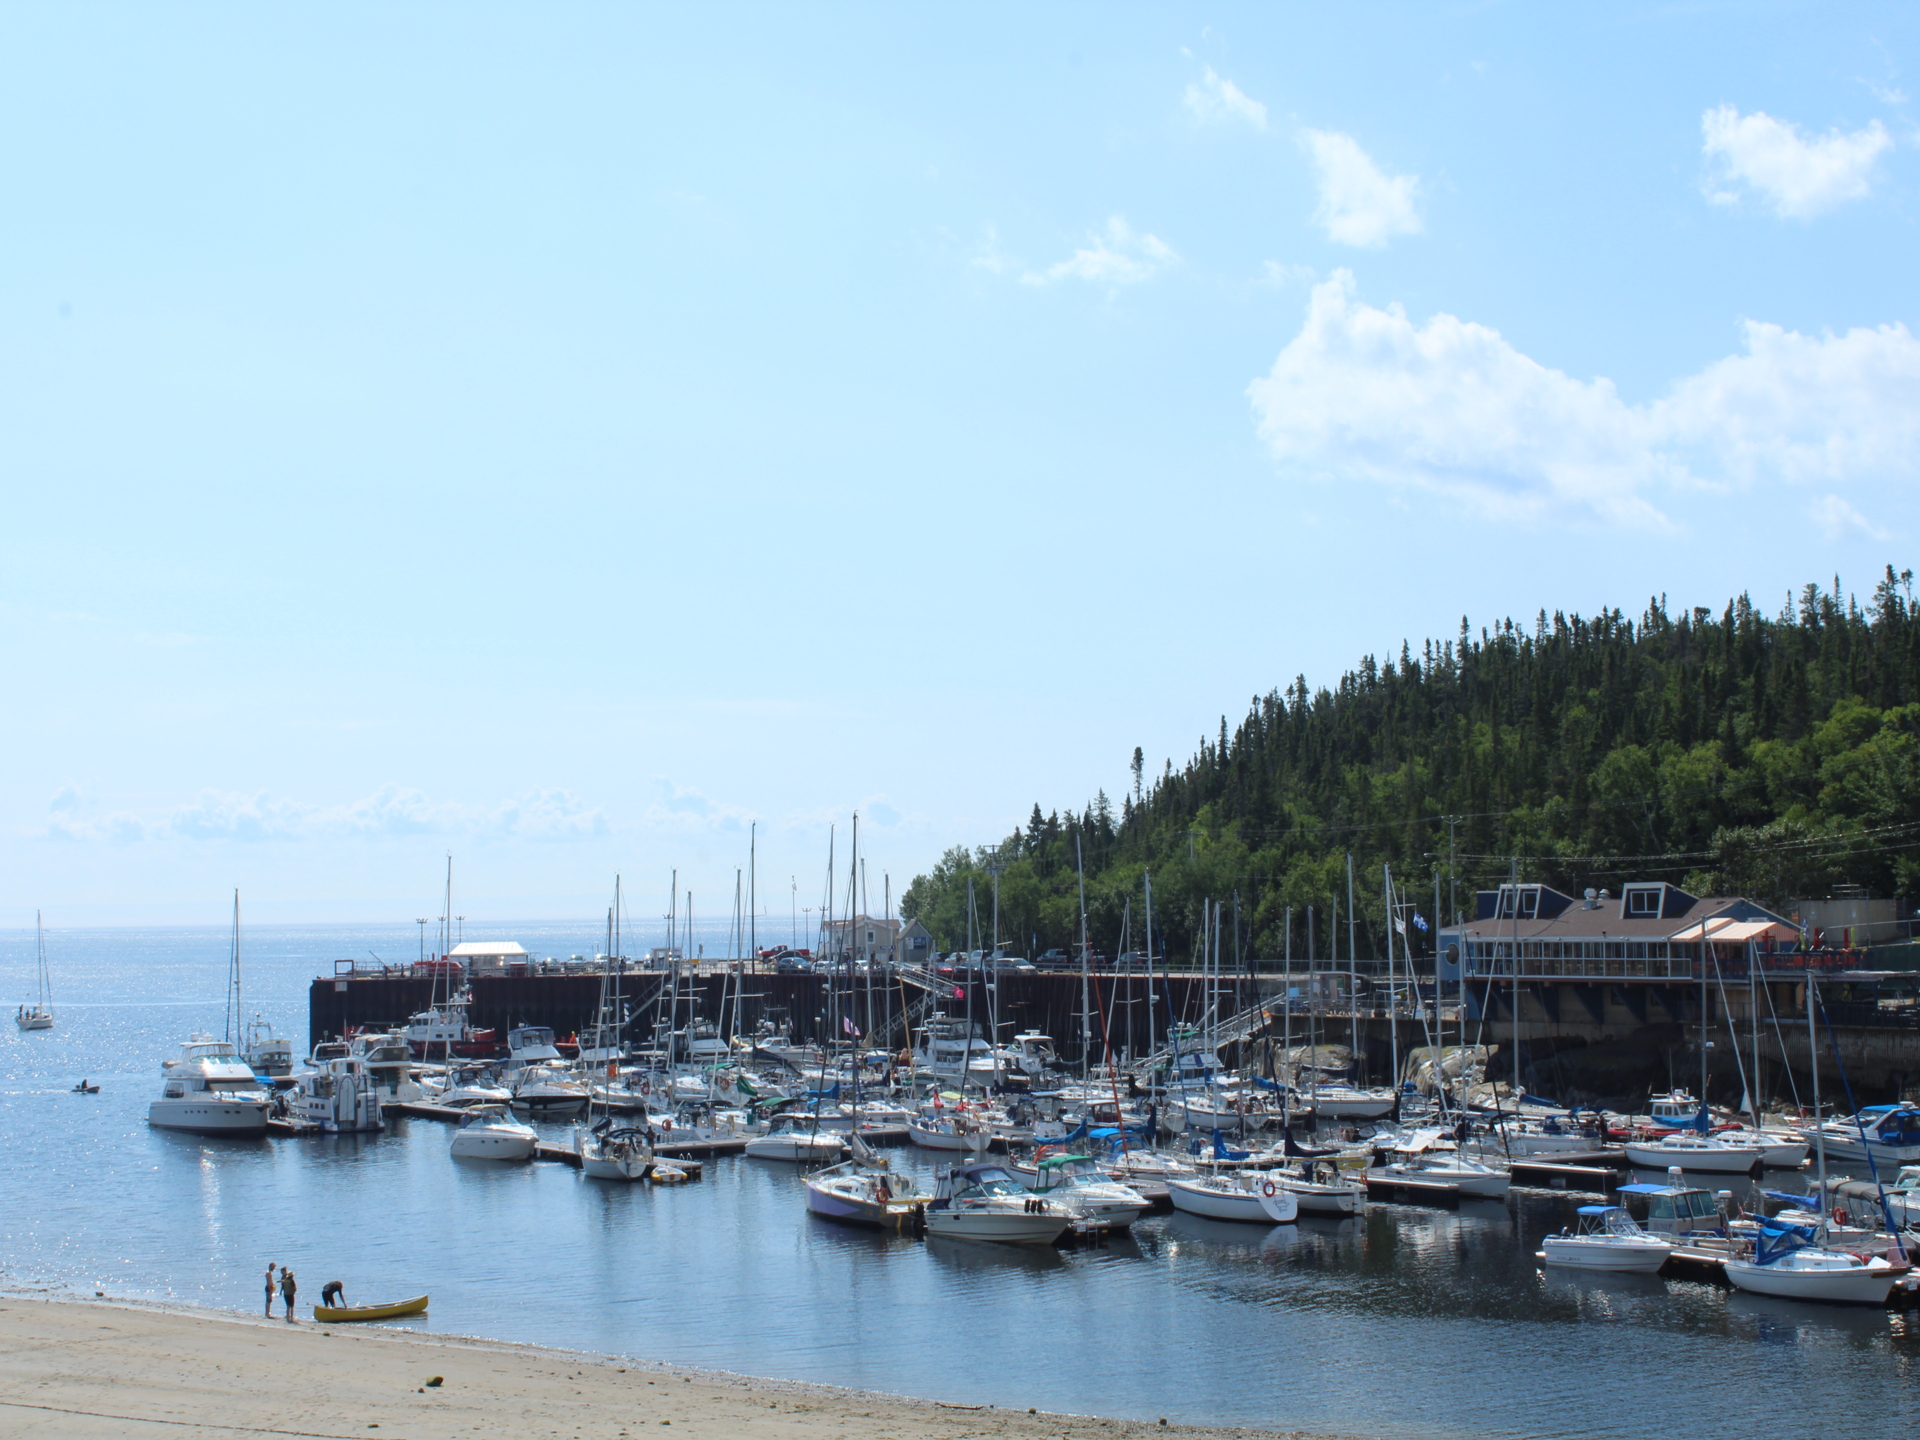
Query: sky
(577, 439)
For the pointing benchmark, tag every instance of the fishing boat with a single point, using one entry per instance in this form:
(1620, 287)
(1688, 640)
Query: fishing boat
(208, 1089)
(339, 1098)
(866, 1193)
(1786, 1263)
(489, 1132)
(86, 1088)
(345, 1314)
(1242, 1195)
(983, 1201)
(39, 1015)
(1605, 1237)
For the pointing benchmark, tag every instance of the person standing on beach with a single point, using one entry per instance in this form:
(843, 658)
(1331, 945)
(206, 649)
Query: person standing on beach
(270, 1289)
(287, 1289)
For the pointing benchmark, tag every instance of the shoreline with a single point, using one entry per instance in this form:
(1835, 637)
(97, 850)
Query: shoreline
(68, 1363)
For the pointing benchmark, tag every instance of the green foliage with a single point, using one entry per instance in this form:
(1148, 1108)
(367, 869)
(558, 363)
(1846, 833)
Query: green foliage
(1773, 757)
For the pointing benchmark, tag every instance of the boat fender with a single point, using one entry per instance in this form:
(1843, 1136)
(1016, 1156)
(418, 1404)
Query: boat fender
(1268, 1188)
(1839, 1216)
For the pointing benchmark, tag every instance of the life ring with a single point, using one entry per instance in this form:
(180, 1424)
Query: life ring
(646, 1087)
(1839, 1216)
(1269, 1189)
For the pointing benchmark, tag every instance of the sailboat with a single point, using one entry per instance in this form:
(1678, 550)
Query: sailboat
(606, 1152)
(39, 1016)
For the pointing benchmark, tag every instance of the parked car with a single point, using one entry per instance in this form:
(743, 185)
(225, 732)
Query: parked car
(1056, 959)
(792, 965)
(1013, 964)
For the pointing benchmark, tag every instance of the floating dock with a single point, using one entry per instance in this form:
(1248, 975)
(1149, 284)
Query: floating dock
(1594, 1173)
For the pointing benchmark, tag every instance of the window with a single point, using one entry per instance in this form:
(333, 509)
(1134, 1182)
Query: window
(1643, 900)
(1529, 902)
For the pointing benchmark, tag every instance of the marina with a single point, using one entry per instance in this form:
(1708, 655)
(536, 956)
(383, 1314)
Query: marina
(672, 1268)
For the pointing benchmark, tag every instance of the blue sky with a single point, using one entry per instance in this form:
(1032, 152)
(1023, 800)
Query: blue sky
(562, 436)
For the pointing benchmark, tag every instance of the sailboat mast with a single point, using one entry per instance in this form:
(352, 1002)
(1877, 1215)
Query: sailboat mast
(1086, 964)
(1353, 975)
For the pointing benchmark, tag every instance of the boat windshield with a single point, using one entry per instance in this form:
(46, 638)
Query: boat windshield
(987, 1189)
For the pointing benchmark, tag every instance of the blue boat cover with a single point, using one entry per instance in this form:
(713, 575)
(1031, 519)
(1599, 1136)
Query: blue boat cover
(1598, 1210)
(1221, 1152)
(1804, 1202)
(1778, 1240)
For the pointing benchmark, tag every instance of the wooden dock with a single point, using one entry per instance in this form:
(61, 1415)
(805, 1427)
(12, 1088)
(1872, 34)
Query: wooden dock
(1411, 1190)
(1562, 1175)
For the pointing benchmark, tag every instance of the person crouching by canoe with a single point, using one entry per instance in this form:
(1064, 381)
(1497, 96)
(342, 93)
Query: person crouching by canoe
(333, 1294)
(287, 1291)
(270, 1285)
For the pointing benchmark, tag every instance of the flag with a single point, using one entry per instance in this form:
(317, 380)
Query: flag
(958, 993)
(847, 1024)
(1401, 926)
(1420, 922)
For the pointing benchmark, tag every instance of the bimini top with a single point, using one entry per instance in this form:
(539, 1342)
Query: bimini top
(1600, 1210)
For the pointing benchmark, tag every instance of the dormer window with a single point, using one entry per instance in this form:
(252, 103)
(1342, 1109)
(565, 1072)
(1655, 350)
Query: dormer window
(1643, 901)
(1529, 901)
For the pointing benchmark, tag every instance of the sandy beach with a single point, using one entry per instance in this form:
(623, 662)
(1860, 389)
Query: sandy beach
(102, 1368)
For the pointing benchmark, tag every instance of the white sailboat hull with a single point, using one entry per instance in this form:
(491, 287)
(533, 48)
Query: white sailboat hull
(800, 1149)
(1313, 1198)
(1851, 1285)
(929, 1138)
(1250, 1207)
(1702, 1159)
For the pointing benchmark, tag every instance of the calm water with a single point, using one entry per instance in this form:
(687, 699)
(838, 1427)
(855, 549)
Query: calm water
(1404, 1322)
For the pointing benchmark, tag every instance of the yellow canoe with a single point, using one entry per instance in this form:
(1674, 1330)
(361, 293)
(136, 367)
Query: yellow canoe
(371, 1312)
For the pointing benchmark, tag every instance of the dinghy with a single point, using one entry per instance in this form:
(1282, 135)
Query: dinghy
(415, 1306)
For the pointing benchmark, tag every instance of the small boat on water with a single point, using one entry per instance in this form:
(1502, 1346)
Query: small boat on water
(871, 1194)
(347, 1313)
(1606, 1238)
(84, 1088)
(489, 1132)
(610, 1152)
(983, 1201)
(339, 1098)
(1704, 1154)
(1080, 1184)
(794, 1138)
(950, 1132)
(1247, 1196)
(1785, 1263)
(208, 1089)
(39, 1015)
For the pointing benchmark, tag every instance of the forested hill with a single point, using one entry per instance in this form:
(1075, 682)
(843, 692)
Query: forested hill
(1767, 755)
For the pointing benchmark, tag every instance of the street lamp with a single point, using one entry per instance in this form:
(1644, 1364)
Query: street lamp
(422, 923)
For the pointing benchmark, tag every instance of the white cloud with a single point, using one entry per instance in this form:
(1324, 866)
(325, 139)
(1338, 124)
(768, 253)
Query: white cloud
(1215, 98)
(1358, 204)
(1798, 177)
(390, 811)
(1116, 256)
(1450, 406)
(1281, 275)
(988, 255)
(1836, 518)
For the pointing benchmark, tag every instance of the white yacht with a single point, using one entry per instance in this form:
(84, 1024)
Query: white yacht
(547, 1092)
(488, 1132)
(1076, 1182)
(209, 1089)
(1890, 1133)
(341, 1098)
(531, 1045)
(1246, 1195)
(948, 1047)
(794, 1138)
(388, 1059)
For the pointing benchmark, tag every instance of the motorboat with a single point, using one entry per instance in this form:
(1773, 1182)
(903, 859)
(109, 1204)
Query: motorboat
(793, 1138)
(207, 1088)
(983, 1201)
(1779, 1149)
(1079, 1183)
(1688, 1150)
(489, 1132)
(471, 1087)
(1549, 1136)
(1605, 1237)
(1239, 1195)
(1889, 1133)
(341, 1098)
(870, 1194)
(1785, 1263)
(609, 1152)
(546, 1092)
(531, 1045)
(949, 1047)
(1149, 1172)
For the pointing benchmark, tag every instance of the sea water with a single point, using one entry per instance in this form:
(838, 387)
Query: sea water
(1403, 1321)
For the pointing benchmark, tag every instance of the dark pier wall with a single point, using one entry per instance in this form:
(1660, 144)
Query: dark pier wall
(1050, 1003)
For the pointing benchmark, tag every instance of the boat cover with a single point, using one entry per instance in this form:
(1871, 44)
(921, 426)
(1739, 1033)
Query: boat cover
(1221, 1152)
(1778, 1240)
